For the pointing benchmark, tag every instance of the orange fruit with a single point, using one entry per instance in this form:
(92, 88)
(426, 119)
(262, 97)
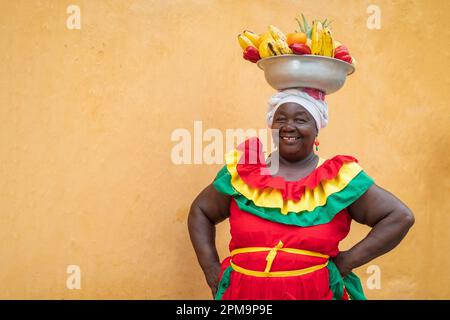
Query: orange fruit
(297, 37)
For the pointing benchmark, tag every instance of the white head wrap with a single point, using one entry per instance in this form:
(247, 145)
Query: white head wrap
(318, 108)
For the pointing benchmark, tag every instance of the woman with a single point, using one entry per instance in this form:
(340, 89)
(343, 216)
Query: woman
(286, 226)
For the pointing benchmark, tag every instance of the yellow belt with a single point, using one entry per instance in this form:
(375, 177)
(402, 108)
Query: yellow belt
(271, 256)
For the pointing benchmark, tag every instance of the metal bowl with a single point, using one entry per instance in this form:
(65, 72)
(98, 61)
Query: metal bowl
(311, 71)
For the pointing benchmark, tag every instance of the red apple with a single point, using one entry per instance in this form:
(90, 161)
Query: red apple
(300, 48)
(251, 54)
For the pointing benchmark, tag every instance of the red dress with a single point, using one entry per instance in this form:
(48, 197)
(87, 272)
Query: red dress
(285, 233)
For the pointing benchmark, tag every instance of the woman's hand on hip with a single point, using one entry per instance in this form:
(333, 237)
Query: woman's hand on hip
(343, 263)
(212, 277)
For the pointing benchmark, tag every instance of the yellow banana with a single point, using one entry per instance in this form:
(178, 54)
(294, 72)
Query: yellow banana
(268, 47)
(327, 49)
(274, 48)
(316, 37)
(283, 47)
(244, 42)
(331, 54)
(276, 33)
(264, 36)
(253, 37)
(323, 41)
(264, 50)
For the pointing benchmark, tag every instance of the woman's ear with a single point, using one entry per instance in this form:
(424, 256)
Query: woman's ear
(317, 129)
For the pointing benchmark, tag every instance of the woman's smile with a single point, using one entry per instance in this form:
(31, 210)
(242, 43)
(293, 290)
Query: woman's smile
(290, 140)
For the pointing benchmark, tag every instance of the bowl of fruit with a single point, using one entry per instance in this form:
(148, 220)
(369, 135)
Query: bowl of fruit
(310, 71)
(308, 58)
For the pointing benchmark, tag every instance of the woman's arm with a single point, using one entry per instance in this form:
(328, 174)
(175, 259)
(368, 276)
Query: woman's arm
(208, 209)
(390, 220)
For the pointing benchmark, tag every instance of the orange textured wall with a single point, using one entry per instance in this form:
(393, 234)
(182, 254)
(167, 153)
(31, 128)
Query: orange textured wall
(87, 115)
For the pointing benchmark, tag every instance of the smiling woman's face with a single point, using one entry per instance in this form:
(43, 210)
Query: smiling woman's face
(296, 131)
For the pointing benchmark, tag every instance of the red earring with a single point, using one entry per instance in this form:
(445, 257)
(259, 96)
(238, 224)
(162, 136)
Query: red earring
(316, 143)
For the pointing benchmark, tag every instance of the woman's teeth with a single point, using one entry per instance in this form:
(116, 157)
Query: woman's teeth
(290, 138)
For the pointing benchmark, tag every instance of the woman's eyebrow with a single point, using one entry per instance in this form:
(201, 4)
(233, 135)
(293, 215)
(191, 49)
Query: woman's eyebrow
(302, 112)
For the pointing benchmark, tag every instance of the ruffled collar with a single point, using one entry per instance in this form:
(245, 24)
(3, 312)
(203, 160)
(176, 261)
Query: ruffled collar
(254, 172)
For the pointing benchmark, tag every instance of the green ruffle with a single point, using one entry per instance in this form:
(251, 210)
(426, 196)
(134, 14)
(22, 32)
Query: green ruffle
(336, 202)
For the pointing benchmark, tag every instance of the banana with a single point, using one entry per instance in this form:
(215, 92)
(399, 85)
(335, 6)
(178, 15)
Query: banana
(273, 43)
(283, 47)
(264, 50)
(276, 33)
(274, 48)
(331, 53)
(325, 44)
(316, 37)
(327, 48)
(323, 41)
(268, 47)
(265, 36)
(253, 37)
(244, 42)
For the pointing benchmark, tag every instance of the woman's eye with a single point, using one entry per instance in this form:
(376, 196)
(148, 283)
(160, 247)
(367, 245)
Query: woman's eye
(300, 120)
(279, 119)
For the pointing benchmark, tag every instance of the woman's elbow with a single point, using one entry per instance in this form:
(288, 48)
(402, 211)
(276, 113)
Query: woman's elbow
(406, 217)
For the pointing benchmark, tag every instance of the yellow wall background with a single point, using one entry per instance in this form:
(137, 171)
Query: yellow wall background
(86, 118)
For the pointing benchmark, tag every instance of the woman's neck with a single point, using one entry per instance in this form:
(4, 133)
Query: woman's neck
(299, 163)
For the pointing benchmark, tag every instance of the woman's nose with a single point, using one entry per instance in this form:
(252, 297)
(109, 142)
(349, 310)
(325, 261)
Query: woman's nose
(288, 125)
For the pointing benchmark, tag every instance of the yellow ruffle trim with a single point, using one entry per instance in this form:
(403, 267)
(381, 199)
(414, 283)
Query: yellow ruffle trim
(272, 198)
